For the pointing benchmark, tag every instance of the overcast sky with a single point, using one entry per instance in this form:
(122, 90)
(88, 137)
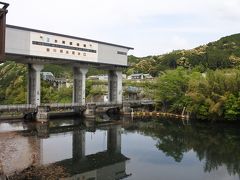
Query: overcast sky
(150, 26)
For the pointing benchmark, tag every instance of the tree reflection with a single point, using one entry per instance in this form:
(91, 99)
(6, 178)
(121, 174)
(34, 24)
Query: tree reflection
(216, 144)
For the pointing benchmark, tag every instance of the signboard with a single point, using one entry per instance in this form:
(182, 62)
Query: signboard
(60, 47)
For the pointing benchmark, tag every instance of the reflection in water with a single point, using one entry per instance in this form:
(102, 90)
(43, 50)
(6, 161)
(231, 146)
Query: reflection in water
(73, 163)
(216, 145)
(6, 127)
(159, 149)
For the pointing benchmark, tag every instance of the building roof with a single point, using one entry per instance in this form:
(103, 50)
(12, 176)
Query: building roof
(47, 73)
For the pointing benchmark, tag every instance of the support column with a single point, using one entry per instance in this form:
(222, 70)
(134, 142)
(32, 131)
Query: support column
(78, 146)
(42, 130)
(114, 139)
(34, 84)
(36, 144)
(79, 85)
(115, 86)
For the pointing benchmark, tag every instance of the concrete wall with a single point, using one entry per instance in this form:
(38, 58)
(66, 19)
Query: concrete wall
(17, 41)
(110, 54)
(17, 152)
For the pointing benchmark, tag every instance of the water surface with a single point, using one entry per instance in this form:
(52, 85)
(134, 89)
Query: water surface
(132, 149)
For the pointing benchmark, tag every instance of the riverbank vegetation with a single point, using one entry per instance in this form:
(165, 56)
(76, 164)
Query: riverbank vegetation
(210, 95)
(205, 79)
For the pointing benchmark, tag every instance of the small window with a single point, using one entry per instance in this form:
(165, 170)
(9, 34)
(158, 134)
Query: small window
(55, 41)
(73, 52)
(90, 45)
(79, 53)
(84, 54)
(61, 51)
(77, 44)
(48, 50)
(67, 52)
(48, 39)
(84, 45)
(63, 42)
(54, 50)
(70, 43)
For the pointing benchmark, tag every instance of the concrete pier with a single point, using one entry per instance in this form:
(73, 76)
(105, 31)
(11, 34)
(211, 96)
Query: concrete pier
(114, 139)
(115, 86)
(79, 85)
(42, 113)
(42, 130)
(78, 147)
(90, 111)
(34, 84)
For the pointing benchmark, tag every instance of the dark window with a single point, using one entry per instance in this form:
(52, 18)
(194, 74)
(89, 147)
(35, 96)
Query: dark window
(66, 52)
(70, 43)
(61, 51)
(84, 45)
(73, 52)
(55, 41)
(64, 47)
(48, 49)
(79, 53)
(122, 53)
(63, 42)
(77, 44)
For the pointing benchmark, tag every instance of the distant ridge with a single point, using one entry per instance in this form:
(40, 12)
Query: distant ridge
(223, 53)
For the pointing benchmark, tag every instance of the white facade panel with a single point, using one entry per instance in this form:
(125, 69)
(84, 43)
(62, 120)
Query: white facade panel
(31, 42)
(61, 47)
(17, 41)
(112, 55)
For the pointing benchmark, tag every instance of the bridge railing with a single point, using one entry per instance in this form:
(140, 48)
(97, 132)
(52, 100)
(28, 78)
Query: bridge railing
(69, 105)
(103, 103)
(145, 101)
(16, 107)
(62, 105)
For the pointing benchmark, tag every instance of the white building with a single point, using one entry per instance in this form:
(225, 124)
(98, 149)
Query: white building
(139, 76)
(47, 76)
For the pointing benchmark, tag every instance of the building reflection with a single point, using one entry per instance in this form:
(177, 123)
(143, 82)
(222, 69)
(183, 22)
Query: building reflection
(107, 164)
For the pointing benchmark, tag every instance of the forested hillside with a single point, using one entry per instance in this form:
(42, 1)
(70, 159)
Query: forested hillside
(224, 53)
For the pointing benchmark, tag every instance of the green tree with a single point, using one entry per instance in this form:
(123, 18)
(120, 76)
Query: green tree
(171, 87)
(232, 107)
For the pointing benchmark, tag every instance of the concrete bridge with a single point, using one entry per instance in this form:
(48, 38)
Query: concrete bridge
(35, 48)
